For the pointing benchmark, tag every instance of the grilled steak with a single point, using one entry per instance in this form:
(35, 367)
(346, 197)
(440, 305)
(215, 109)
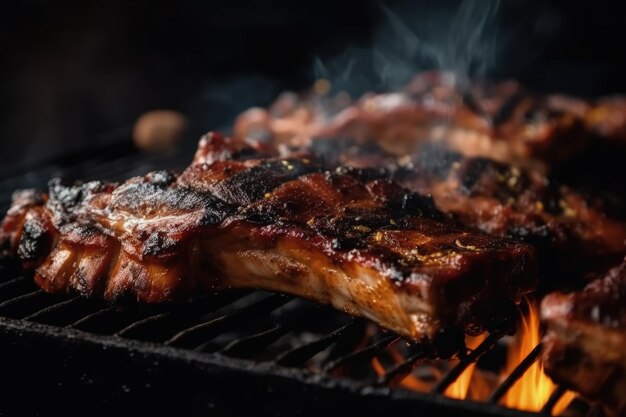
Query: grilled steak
(586, 335)
(499, 121)
(232, 219)
(572, 232)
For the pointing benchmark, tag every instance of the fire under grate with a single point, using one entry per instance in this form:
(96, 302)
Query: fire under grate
(232, 353)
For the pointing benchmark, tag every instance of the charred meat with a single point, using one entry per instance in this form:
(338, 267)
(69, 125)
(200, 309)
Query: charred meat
(235, 219)
(586, 335)
(572, 232)
(500, 121)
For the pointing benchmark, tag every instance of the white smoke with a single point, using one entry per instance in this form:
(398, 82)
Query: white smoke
(469, 40)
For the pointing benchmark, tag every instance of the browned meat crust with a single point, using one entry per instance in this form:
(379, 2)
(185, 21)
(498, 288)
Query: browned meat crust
(573, 234)
(586, 339)
(571, 231)
(501, 121)
(360, 243)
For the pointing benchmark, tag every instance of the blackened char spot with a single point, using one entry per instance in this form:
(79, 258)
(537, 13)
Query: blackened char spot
(63, 195)
(65, 200)
(245, 153)
(251, 185)
(81, 281)
(158, 243)
(363, 174)
(506, 110)
(401, 201)
(473, 104)
(480, 176)
(471, 172)
(148, 199)
(261, 216)
(161, 178)
(71, 195)
(417, 204)
(350, 229)
(35, 242)
(215, 211)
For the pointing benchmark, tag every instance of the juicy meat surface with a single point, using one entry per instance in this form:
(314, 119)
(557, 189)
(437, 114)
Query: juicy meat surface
(586, 338)
(573, 234)
(500, 121)
(234, 219)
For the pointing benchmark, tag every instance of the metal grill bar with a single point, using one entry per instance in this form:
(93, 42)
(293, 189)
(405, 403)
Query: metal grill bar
(84, 321)
(516, 374)
(119, 146)
(362, 356)
(110, 320)
(247, 346)
(54, 308)
(402, 370)
(473, 356)
(20, 298)
(65, 312)
(159, 323)
(15, 287)
(299, 355)
(252, 345)
(139, 324)
(18, 307)
(155, 326)
(556, 395)
(199, 334)
(11, 282)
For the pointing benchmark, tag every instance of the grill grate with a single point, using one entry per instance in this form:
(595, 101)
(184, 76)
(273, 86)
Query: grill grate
(288, 342)
(196, 325)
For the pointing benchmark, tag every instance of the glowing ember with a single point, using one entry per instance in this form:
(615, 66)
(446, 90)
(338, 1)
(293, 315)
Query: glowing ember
(533, 389)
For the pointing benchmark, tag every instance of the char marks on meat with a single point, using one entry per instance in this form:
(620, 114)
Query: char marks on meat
(500, 121)
(347, 237)
(573, 234)
(585, 339)
(571, 231)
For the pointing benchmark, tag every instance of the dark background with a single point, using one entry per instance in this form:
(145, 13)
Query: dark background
(75, 73)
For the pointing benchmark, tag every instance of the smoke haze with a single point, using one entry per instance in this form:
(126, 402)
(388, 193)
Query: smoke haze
(470, 38)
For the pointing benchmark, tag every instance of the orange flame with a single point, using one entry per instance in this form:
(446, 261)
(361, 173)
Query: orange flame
(378, 367)
(533, 389)
(529, 393)
(460, 388)
(409, 382)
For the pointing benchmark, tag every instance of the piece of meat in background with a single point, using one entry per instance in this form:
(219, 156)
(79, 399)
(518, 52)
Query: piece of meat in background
(80, 72)
(584, 344)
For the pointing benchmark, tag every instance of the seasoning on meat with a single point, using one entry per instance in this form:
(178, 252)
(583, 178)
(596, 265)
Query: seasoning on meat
(234, 219)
